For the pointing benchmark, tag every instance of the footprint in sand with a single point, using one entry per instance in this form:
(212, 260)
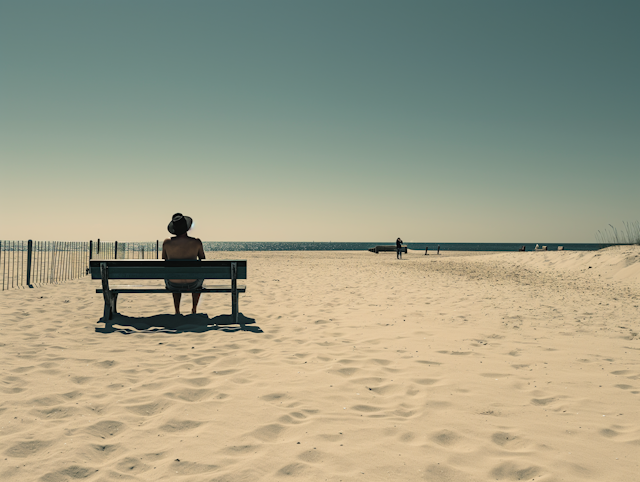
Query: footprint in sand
(384, 389)
(131, 465)
(542, 401)
(407, 437)
(444, 473)
(181, 467)
(180, 425)
(446, 438)
(241, 449)
(72, 395)
(609, 433)
(513, 471)
(106, 363)
(345, 372)
(47, 401)
(426, 381)
(380, 361)
(189, 394)
(507, 440)
(27, 448)
(72, 472)
(365, 408)
(81, 380)
(148, 409)
(292, 470)
(268, 433)
(196, 382)
(57, 413)
(293, 418)
(13, 390)
(314, 456)
(105, 450)
(274, 397)
(106, 428)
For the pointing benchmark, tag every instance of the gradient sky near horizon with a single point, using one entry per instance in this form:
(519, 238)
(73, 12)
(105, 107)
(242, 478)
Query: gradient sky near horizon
(448, 121)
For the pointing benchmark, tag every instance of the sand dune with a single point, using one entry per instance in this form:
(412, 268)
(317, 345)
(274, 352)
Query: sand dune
(354, 366)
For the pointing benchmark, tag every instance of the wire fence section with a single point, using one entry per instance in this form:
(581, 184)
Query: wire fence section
(29, 263)
(125, 250)
(32, 263)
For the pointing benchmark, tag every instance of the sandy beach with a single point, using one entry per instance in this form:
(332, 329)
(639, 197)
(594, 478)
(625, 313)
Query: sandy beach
(356, 367)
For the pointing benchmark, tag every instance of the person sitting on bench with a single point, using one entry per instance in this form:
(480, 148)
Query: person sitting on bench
(182, 248)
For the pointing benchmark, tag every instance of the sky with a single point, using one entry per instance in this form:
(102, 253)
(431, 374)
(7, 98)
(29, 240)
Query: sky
(350, 120)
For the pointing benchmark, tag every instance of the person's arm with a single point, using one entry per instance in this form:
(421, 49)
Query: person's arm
(164, 249)
(200, 250)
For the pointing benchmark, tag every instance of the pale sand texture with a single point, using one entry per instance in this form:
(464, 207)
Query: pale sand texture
(359, 367)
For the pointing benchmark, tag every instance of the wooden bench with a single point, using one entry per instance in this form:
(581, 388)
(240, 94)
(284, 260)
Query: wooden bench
(384, 249)
(139, 269)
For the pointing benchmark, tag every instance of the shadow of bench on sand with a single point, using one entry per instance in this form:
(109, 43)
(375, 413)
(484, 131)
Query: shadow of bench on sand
(199, 323)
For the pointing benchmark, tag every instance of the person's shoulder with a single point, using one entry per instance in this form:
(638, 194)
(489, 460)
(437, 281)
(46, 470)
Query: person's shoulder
(167, 240)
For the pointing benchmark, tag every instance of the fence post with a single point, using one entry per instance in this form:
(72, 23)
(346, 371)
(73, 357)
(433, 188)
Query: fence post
(115, 250)
(29, 255)
(98, 250)
(157, 246)
(90, 249)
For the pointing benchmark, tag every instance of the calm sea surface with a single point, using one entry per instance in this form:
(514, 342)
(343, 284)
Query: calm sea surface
(312, 246)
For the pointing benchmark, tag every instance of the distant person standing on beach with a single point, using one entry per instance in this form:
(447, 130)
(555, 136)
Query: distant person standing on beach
(399, 248)
(182, 248)
(426, 251)
(438, 249)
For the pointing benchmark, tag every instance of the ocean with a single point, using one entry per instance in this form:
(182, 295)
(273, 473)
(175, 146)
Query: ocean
(331, 246)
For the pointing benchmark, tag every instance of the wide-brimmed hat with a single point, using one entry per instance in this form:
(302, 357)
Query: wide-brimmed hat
(179, 224)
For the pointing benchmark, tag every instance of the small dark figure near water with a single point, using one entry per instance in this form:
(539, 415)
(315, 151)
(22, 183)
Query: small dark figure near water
(426, 251)
(438, 249)
(523, 248)
(182, 247)
(399, 248)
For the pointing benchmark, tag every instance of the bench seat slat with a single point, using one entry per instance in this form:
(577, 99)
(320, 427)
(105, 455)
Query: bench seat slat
(161, 289)
(158, 272)
(159, 269)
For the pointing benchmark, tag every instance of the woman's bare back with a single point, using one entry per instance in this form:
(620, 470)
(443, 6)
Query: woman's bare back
(182, 247)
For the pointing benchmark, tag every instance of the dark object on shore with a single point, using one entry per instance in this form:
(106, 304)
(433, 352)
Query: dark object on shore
(426, 251)
(523, 248)
(384, 249)
(438, 249)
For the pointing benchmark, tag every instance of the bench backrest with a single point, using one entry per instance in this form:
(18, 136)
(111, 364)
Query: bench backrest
(161, 269)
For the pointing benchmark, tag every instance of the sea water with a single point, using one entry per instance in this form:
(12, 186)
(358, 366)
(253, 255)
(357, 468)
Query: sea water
(338, 246)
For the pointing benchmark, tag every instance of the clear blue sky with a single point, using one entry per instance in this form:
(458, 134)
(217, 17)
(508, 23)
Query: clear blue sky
(451, 121)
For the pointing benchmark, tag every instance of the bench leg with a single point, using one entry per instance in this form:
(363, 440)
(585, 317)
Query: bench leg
(234, 293)
(107, 308)
(234, 307)
(110, 300)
